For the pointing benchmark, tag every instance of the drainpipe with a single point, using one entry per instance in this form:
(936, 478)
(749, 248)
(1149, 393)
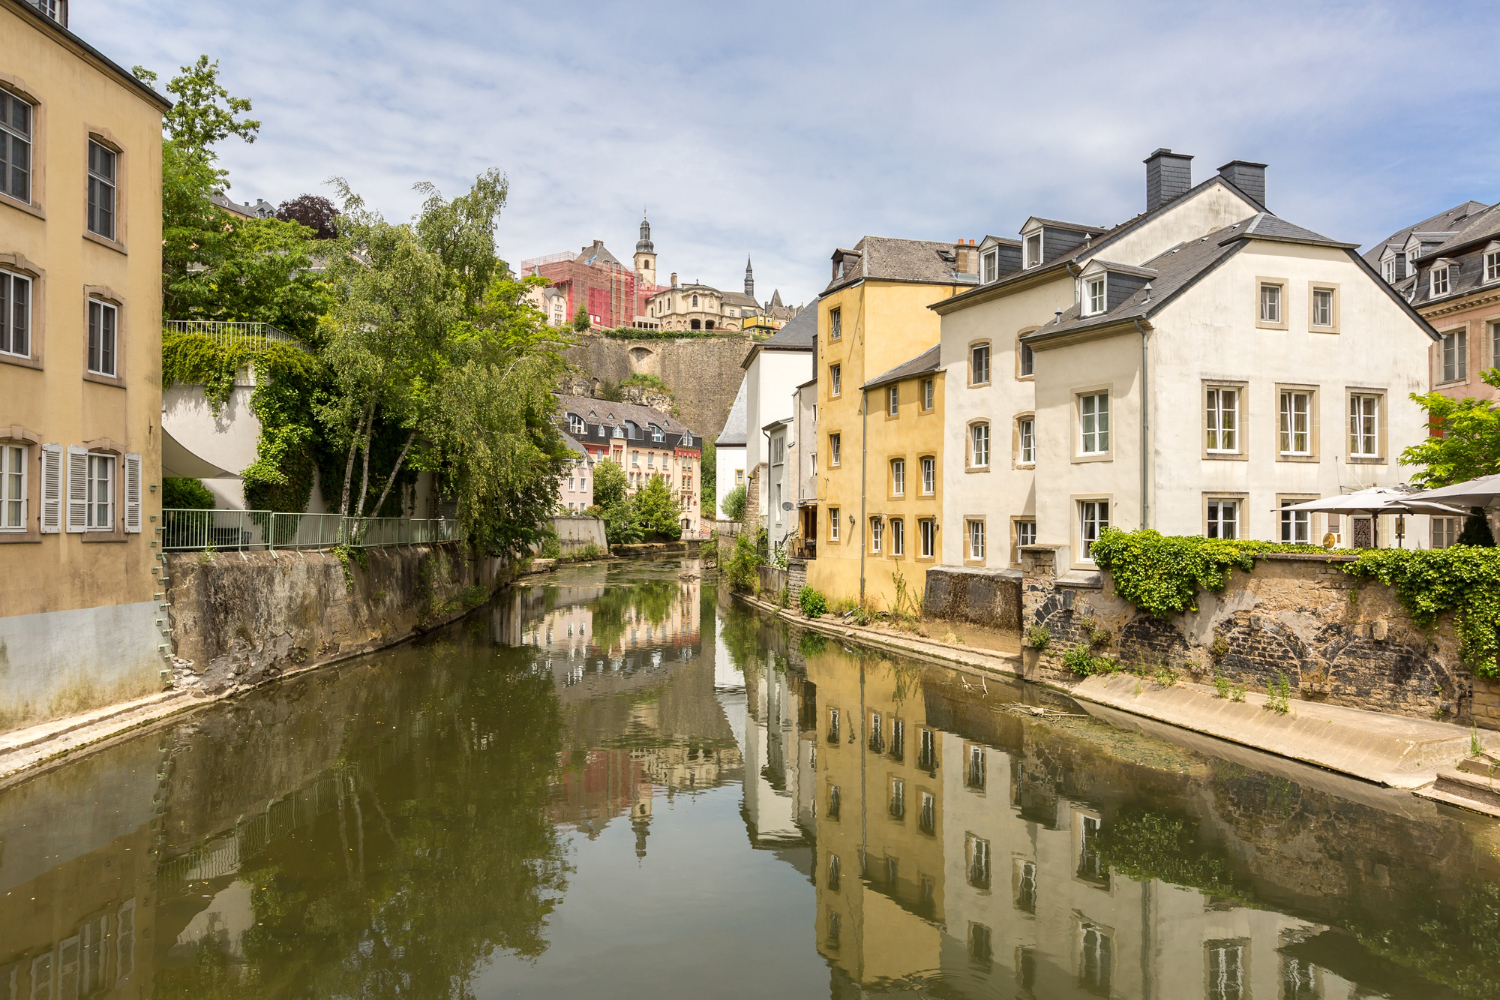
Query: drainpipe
(864, 450)
(1145, 430)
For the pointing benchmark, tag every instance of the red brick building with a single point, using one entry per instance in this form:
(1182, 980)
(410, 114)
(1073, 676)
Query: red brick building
(613, 293)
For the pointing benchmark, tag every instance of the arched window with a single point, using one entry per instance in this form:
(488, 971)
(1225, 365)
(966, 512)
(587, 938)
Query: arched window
(575, 424)
(709, 325)
(695, 324)
(695, 302)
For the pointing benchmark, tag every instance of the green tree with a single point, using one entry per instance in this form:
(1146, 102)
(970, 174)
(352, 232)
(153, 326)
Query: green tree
(610, 484)
(657, 512)
(581, 322)
(708, 481)
(1469, 445)
(733, 505)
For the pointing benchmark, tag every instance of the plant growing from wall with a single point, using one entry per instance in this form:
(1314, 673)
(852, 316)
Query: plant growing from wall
(742, 569)
(1038, 637)
(1462, 579)
(812, 602)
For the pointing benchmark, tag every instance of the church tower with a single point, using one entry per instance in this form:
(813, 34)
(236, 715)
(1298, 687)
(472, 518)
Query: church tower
(645, 256)
(749, 278)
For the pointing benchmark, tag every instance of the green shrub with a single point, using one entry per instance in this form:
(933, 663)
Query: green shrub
(1221, 686)
(812, 602)
(1081, 661)
(742, 570)
(843, 606)
(1039, 637)
(1236, 692)
(1278, 694)
(732, 504)
(186, 494)
(551, 545)
(1464, 579)
(1166, 676)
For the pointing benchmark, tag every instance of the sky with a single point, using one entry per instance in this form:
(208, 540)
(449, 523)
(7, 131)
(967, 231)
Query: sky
(782, 131)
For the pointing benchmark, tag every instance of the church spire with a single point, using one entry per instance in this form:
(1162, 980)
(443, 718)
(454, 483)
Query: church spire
(749, 278)
(644, 245)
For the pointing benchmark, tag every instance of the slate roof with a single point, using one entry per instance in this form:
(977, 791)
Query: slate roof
(607, 416)
(799, 334)
(738, 299)
(925, 362)
(889, 259)
(573, 445)
(1483, 225)
(1075, 227)
(1443, 222)
(1266, 226)
(733, 434)
(597, 254)
(1466, 274)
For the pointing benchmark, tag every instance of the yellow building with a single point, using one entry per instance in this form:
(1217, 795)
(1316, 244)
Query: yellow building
(877, 335)
(80, 372)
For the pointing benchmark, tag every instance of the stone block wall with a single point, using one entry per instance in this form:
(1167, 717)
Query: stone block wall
(989, 597)
(703, 372)
(1336, 638)
(576, 533)
(796, 578)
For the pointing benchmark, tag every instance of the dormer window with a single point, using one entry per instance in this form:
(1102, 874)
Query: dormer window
(1492, 263)
(1388, 270)
(575, 424)
(656, 434)
(1438, 283)
(1093, 295)
(1033, 246)
(989, 266)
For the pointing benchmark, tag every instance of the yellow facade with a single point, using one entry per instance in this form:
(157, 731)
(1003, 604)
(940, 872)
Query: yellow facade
(80, 392)
(881, 324)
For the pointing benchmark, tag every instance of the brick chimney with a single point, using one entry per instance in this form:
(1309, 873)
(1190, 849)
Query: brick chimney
(1168, 175)
(674, 279)
(1248, 177)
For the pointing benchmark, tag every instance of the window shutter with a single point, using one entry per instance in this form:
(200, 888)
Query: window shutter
(52, 489)
(78, 484)
(133, 493)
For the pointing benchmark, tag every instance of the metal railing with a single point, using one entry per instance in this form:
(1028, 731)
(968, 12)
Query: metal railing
(238, 530)
(226, 332)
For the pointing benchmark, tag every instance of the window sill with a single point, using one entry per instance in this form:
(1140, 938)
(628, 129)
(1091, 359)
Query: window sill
(1225, 456)
(1454, 383)
(977, 468)
(1025, 378)
(1263, 325)
(19, 537)
(103, 536)
(112, 380)
(1025, 466)
(1107, 456)
(1365, 460)
(1322, 329)
(1297, 458)
(114, 245)
(22, 206)
(980, 385)
(20, 362)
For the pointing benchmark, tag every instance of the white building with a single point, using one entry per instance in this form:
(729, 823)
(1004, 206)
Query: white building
(1192, 370)
(781, 485)
(773, 370)
(729, 450)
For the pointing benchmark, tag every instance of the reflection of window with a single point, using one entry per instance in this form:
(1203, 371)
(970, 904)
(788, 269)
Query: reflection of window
(877, 736)
(1025, 886)
(974, 775)
(979, 863)
(927, 818)
(1299, 979)
(833, 872)
(1095, 960)
(1026, 968)
(1226, 970)
(898, 738)
(835, 798)
(833, 725)
(1090, 860)
(981, 951)
(898, 799)
(927, 751)
(834, 921)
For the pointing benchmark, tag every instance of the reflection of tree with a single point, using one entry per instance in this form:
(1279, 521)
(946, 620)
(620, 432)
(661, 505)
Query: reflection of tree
(438, 853)
(1142, 844)
(741, 633)
(652, 601)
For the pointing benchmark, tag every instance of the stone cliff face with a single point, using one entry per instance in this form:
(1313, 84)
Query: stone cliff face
(703, 372)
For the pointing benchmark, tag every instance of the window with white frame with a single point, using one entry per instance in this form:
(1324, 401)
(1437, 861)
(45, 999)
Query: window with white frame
(1437, 280)
(898, 477)
(1093, 296)
(15, 313)
(927, 394)
(1093, 518)
(13, 462)
(892, 401)
(1223, 519)
(898, 537)
(635, 458)
(835, 380)
(835, 450)
(979, 364)
(1296, 525)
(1033, 248)
(1223, 420)
(1388, 270)
(656, 433)
(1322, 307)
(1492, 265)
(1364, 426)
(989, 265)
(1495, 345)
(1295, 419)
(1226, 970)
(1445, 531)
(979, 446)
(1270, 302)
(927, 529)
(835, 324)
(833, 524)
(876, 526)
(1026, 441)
(15, 147)
(103, 328)
(975, 530)
(1027, 363)
(1455, 349)
(100, 498)
(576, 424)
(1025, 535)
(101, 208)
(1096, 960)
(929, 475)
(1093, 423)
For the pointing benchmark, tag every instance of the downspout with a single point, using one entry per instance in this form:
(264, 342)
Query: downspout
(864, 450)
(1145, 429)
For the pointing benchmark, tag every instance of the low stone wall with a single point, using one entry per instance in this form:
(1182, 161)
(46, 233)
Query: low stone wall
(1336, 638)
(240, 617)
(689, 546)
(989, 597)
(577, 533)
(796, 578)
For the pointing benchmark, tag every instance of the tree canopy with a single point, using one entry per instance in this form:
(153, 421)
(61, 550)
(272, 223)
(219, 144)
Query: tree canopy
(1469, 445)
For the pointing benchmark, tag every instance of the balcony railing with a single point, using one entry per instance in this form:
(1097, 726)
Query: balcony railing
(239, 530)
(256, 336)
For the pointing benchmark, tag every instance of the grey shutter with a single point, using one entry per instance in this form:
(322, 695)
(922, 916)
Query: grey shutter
(52, 489)
(133, 493)
(78, 485)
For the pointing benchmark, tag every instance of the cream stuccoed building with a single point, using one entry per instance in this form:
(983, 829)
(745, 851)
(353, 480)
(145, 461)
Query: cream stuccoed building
(1194, 370)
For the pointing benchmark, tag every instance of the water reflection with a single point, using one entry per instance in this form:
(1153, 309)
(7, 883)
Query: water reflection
(616, 784)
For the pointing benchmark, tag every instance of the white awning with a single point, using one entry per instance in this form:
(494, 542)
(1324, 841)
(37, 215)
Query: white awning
(178, 462)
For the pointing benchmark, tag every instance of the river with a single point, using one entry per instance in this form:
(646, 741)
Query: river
(616, 782)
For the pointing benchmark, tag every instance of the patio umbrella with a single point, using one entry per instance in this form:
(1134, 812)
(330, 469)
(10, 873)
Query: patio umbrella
(1481, 492)
(1376, 501)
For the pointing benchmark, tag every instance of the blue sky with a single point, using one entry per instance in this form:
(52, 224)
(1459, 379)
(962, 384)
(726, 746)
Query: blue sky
(784, 130)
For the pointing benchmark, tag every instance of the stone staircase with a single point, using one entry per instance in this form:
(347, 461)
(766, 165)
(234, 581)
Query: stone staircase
(1472, 784)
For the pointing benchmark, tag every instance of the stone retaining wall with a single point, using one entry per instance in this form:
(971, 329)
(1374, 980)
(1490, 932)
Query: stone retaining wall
(1336, 638)
(575, 533)
(989, 597)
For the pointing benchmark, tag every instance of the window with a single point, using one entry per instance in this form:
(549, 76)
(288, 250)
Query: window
(1027, 361)
(877, 737)
(635, 458)
(974, 772)
(979, 863)
(929, 476)
(15, 147)
(650, 459)
(1025, 887)
(102, 328)
(1093, 518)
(1388, 270)
(989, 266)
(898, 799)
(898, 738)
(976, 539)
(898, 537)
(1455, 349)
(876, 524)
(1093, 414)
(833, 524)
(13, 486)
(927, 818)
(981, 947)
(898, 477)
(1026, 441)
(1438, 281)
(1299, 979)
(1296, 525)
(1270, 303)
(1096, 960)
(1364, 426)
(1445, 531)
(1033, 249)
(15, 313)
(1093, 296)
(739, 476)
(1090, 862)
(1492, 265)
(1223, 421)
(1226, 970)
(1495, 345)
(1322, 307)
(1025, 530)
(892, 401)
(927, 393)
(100, 496)
(101, 190)
(979, 364)
(927, 528)
(1295, 422)
(576, 424)
(835, 449)
(979, 446)
(656, 434)
(1223, 519)
(835, 380)
(835, 324)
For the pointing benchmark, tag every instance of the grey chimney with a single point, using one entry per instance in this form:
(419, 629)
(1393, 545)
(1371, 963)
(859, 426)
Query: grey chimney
(1248, 177)
(1168, 175)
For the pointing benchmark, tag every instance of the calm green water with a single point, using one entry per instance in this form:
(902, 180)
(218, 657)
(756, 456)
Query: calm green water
(616, 784)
